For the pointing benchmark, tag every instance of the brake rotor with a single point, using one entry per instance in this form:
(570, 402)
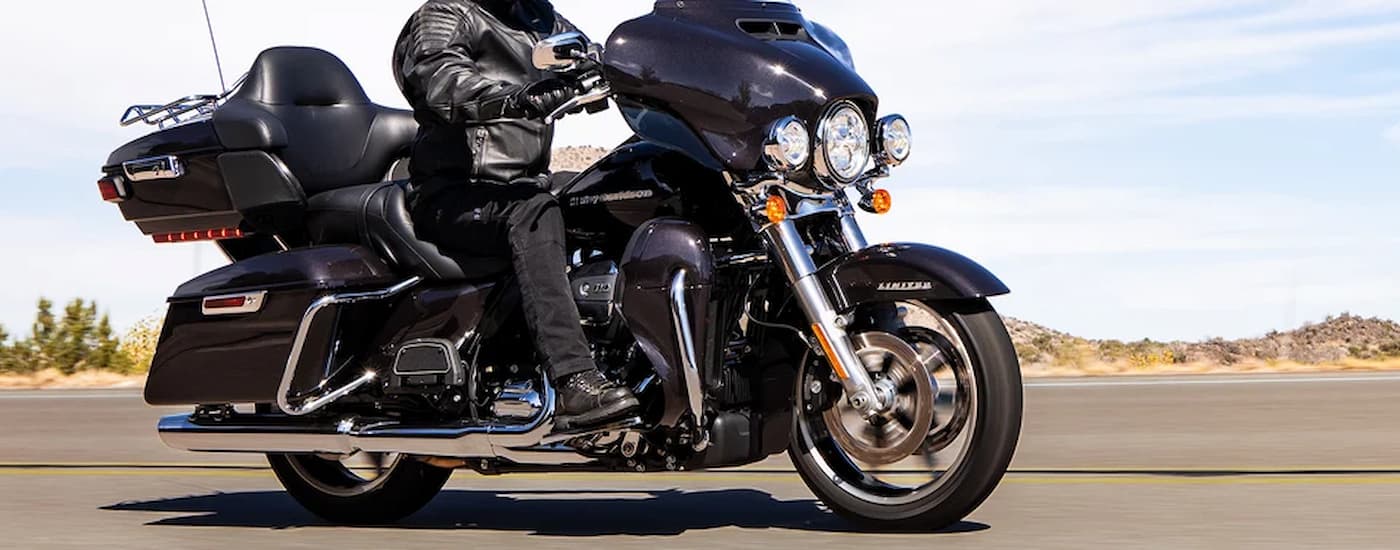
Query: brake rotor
(901, 430)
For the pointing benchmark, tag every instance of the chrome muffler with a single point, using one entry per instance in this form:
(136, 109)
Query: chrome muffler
(349, 435)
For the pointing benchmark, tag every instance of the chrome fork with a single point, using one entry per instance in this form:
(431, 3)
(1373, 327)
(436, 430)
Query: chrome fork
(827, 324)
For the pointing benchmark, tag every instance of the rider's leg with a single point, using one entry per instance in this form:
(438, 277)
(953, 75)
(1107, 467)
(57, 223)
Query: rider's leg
(478, 220)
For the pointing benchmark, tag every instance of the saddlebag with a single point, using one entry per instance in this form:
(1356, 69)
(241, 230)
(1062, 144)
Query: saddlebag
(228, 334)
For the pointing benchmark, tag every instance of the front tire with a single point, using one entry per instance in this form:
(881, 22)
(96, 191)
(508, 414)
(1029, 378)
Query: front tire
(986, 416)
(339, 493)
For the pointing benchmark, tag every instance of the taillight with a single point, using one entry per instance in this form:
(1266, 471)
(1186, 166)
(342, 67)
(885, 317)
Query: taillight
(112, 189)
(237, 304)
(202, 235)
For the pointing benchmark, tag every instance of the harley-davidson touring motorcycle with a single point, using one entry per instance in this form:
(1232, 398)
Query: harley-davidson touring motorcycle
(716, 259)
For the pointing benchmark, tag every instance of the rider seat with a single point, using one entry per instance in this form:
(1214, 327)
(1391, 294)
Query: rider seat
(305, 106)
(376, 215)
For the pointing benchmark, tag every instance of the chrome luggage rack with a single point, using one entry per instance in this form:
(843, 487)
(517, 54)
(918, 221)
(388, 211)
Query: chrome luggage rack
(180, 111)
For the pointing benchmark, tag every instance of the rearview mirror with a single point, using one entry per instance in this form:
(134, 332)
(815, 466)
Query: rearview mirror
(560, 52)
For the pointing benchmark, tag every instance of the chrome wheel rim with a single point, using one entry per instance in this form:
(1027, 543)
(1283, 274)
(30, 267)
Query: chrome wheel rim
(900, 430)
(938, 457)
(346, 476)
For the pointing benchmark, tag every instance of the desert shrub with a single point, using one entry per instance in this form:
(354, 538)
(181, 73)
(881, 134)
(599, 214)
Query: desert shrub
(138, 345)
(1388, 350)
(79, 340)
(1141, 354)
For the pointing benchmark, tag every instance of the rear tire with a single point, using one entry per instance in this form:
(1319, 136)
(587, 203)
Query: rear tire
(336, 493)
(991, 438)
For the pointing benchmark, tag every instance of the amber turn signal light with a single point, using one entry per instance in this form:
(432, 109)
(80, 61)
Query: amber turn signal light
(881, 202)
(777, 209)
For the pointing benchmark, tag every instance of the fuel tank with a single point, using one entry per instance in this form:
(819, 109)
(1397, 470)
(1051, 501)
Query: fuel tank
(638, 182)
(715, 74)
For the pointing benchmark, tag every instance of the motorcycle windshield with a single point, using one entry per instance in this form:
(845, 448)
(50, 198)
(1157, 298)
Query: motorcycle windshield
(727, 70)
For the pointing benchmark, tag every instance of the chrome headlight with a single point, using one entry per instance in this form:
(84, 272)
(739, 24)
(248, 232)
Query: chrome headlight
(843, 144)
(789, 146)
(896, 140)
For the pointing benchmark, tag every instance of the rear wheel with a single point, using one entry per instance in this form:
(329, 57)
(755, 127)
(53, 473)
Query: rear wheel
(362, 489)
(952, 377)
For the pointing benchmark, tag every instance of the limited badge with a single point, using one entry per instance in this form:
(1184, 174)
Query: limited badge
(905, 286)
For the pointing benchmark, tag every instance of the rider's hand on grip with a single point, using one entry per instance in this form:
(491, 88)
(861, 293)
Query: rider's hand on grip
(540, 98)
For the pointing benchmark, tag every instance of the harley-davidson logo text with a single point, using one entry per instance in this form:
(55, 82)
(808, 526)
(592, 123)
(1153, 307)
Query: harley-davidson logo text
(590, 200)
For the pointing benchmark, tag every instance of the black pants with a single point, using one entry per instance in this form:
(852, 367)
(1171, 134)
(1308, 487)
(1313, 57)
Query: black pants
(522, 222)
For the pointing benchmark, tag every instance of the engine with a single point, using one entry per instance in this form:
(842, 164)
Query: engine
(595, 291)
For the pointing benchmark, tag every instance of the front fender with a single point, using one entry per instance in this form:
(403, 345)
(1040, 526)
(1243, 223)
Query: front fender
(894, 272)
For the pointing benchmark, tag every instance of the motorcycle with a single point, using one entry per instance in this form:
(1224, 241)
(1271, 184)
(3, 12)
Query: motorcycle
(716, 259)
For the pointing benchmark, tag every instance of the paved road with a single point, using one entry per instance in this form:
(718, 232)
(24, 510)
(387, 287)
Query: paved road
(1221, 462)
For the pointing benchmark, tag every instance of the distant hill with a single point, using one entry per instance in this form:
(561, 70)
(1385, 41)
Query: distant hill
(1345, 340)
(576, 159)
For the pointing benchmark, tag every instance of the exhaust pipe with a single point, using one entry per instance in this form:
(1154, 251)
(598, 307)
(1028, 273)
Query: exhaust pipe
(287, 435)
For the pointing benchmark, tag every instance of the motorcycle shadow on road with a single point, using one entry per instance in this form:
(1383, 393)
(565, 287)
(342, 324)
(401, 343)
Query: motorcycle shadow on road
(538, 512)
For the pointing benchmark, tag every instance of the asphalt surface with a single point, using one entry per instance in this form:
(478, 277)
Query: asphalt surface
(1218, 462)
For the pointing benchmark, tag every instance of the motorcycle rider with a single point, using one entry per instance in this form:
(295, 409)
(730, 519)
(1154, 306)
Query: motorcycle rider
(478, 172)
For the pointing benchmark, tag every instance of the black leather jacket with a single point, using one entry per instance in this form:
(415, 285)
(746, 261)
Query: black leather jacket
(456, 59)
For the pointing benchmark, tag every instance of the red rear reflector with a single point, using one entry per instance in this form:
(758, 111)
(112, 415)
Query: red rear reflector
(111, 190)
(226, 303)
(202, 235)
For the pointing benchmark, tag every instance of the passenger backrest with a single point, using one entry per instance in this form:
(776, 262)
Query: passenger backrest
(305, 106)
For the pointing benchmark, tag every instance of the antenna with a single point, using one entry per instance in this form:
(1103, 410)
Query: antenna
(218, 64)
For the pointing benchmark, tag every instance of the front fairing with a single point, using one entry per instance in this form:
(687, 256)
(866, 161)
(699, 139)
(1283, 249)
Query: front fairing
(728, 69)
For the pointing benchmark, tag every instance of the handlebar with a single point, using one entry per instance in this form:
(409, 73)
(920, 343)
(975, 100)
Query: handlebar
(599, 90)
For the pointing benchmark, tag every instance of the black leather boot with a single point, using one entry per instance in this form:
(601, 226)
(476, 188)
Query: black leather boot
(589, 399)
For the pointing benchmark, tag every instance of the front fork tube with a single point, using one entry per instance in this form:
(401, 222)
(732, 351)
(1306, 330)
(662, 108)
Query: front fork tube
(850, 230)
(828, 326)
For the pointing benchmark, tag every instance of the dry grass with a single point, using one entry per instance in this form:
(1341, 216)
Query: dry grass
(53, 379)
(1102, 368)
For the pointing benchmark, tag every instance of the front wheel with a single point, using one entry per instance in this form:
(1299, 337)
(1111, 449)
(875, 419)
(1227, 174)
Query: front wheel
(365, 489)
(951, 375)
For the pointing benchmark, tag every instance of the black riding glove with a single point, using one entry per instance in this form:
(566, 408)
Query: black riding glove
(539, 99)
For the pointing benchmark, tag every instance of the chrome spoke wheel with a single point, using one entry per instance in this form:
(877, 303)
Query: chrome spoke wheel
(900, 430)
(910, 450)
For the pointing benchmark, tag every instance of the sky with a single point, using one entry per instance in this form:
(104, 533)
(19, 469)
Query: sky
(1173, 169)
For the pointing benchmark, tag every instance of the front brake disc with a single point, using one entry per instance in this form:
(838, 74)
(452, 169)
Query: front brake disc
(901, 430)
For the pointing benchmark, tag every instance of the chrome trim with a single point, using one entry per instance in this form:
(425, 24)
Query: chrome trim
(545, 55)
(284, 390)
(773, 151)
(252, 303)
(171, 113)
(884, 125)
(821, 164)
(600, 93)
(518, 402)
(425, 343)
(742, 259)
(349, 435)
(680, 319)
(168, 167)
(851, 232)
(797, 263)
